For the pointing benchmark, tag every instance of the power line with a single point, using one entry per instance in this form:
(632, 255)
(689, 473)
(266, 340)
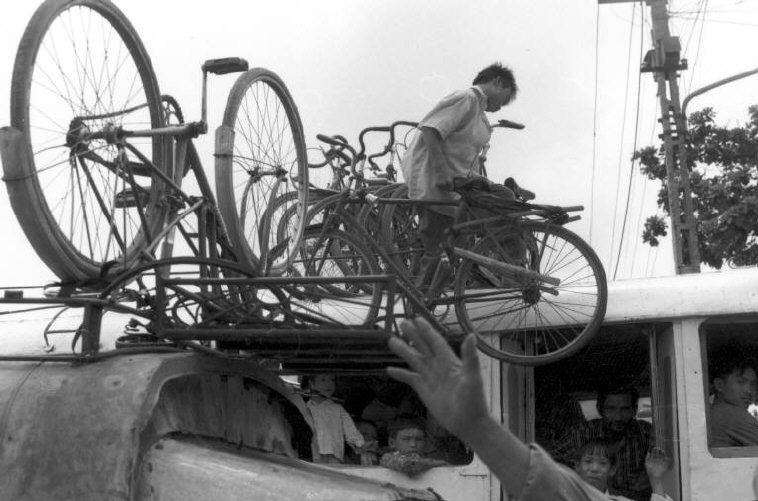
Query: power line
(634, 143)
(594, 123)
(645, 183)
(699, 41)
(623, 130)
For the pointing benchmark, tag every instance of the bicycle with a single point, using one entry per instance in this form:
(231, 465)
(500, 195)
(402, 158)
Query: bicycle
(122, 150)
(101, 200)
(530, 290)
(97, 192)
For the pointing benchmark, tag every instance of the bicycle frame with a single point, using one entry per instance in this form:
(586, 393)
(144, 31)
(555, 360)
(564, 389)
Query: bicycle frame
(404, 282)
(180, 154)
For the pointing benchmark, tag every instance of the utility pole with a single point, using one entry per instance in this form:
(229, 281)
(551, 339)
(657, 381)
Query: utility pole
(664, 61)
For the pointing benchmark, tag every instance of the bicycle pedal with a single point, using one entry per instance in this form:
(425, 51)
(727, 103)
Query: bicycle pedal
(129, 198)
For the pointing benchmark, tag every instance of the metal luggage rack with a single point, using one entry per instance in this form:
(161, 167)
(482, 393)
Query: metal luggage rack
(106, 182)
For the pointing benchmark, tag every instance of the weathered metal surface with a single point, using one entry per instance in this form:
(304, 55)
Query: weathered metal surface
(683, 296)
(180, 470)
(77, 432)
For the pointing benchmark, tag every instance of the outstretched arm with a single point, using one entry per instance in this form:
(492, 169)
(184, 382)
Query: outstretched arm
(453, 392)
(439, 159)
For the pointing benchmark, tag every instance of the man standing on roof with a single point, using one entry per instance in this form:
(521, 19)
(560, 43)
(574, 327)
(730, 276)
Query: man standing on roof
(447, 148)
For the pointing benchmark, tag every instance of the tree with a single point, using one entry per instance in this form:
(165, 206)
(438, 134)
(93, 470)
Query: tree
(724, 176)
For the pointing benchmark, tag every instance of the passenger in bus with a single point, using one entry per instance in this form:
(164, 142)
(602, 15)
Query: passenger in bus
(596, 463)
(617, 424)
(383, 408)
(453, 392)
(407, 439)
(369, 454)
(333, 426)
(734, 380)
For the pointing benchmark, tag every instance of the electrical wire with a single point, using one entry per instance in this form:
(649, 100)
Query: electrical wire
(634, 143)
(645, 183)
(594, 122)
(697, 51)
(623, 131)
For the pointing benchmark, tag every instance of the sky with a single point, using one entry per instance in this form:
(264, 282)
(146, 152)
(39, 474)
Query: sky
(353, 64)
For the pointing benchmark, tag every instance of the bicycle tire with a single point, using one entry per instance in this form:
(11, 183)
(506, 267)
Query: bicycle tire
(399, 228)
(314, 197)
(65, 198)
(519, 323)
(269, 160)
(145, 293)
(334, 254)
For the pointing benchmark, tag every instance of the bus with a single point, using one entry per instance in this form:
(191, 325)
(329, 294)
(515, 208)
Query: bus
(659, 334)
(138, 423)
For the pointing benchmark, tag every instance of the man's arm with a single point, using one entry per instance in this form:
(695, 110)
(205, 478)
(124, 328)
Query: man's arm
(743, 429)
(453, 392)
(352, 435)
(435, 146)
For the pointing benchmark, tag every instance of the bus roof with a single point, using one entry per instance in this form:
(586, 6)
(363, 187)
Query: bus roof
(728, 292)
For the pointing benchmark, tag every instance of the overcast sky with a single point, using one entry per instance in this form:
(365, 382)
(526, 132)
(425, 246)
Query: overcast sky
(351, 64)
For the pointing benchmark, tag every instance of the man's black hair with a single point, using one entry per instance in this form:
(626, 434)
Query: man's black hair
(618, 389)
(497, 70)
(729, 360)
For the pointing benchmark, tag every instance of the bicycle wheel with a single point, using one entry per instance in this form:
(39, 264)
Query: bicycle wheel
(80, 67)
(399, 226)
(268, 161)
(532, 323)
(334, 255)
(194, 292)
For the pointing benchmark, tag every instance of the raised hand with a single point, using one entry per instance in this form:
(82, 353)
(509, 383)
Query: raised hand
(451, 388)
(656, 464)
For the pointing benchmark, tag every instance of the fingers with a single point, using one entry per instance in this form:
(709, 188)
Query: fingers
(409, 331)
(657, 453)
(404, 376)
(433, 340)
(410, 355)
(469, 356)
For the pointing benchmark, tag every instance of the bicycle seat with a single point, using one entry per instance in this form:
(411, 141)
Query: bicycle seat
(520, 192)
(225, 65)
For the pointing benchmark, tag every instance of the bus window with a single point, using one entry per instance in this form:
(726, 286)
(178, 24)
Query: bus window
(730, 365)
(373, 402)
(614, 367)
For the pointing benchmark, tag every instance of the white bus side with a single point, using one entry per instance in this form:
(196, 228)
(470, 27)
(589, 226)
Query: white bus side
(670, 320)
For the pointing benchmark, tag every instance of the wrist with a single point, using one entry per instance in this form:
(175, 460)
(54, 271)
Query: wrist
(479, 431)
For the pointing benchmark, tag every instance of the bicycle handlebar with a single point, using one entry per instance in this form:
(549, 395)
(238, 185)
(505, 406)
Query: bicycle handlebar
(390, 142)
(339, 143)
(508, 124)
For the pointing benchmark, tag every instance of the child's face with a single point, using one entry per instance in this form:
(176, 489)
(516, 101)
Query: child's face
(408, 440)
(323, 384)
(595, 469)
(368, 431)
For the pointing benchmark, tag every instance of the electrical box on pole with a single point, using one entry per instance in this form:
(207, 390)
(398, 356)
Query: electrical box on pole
(664, 61)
